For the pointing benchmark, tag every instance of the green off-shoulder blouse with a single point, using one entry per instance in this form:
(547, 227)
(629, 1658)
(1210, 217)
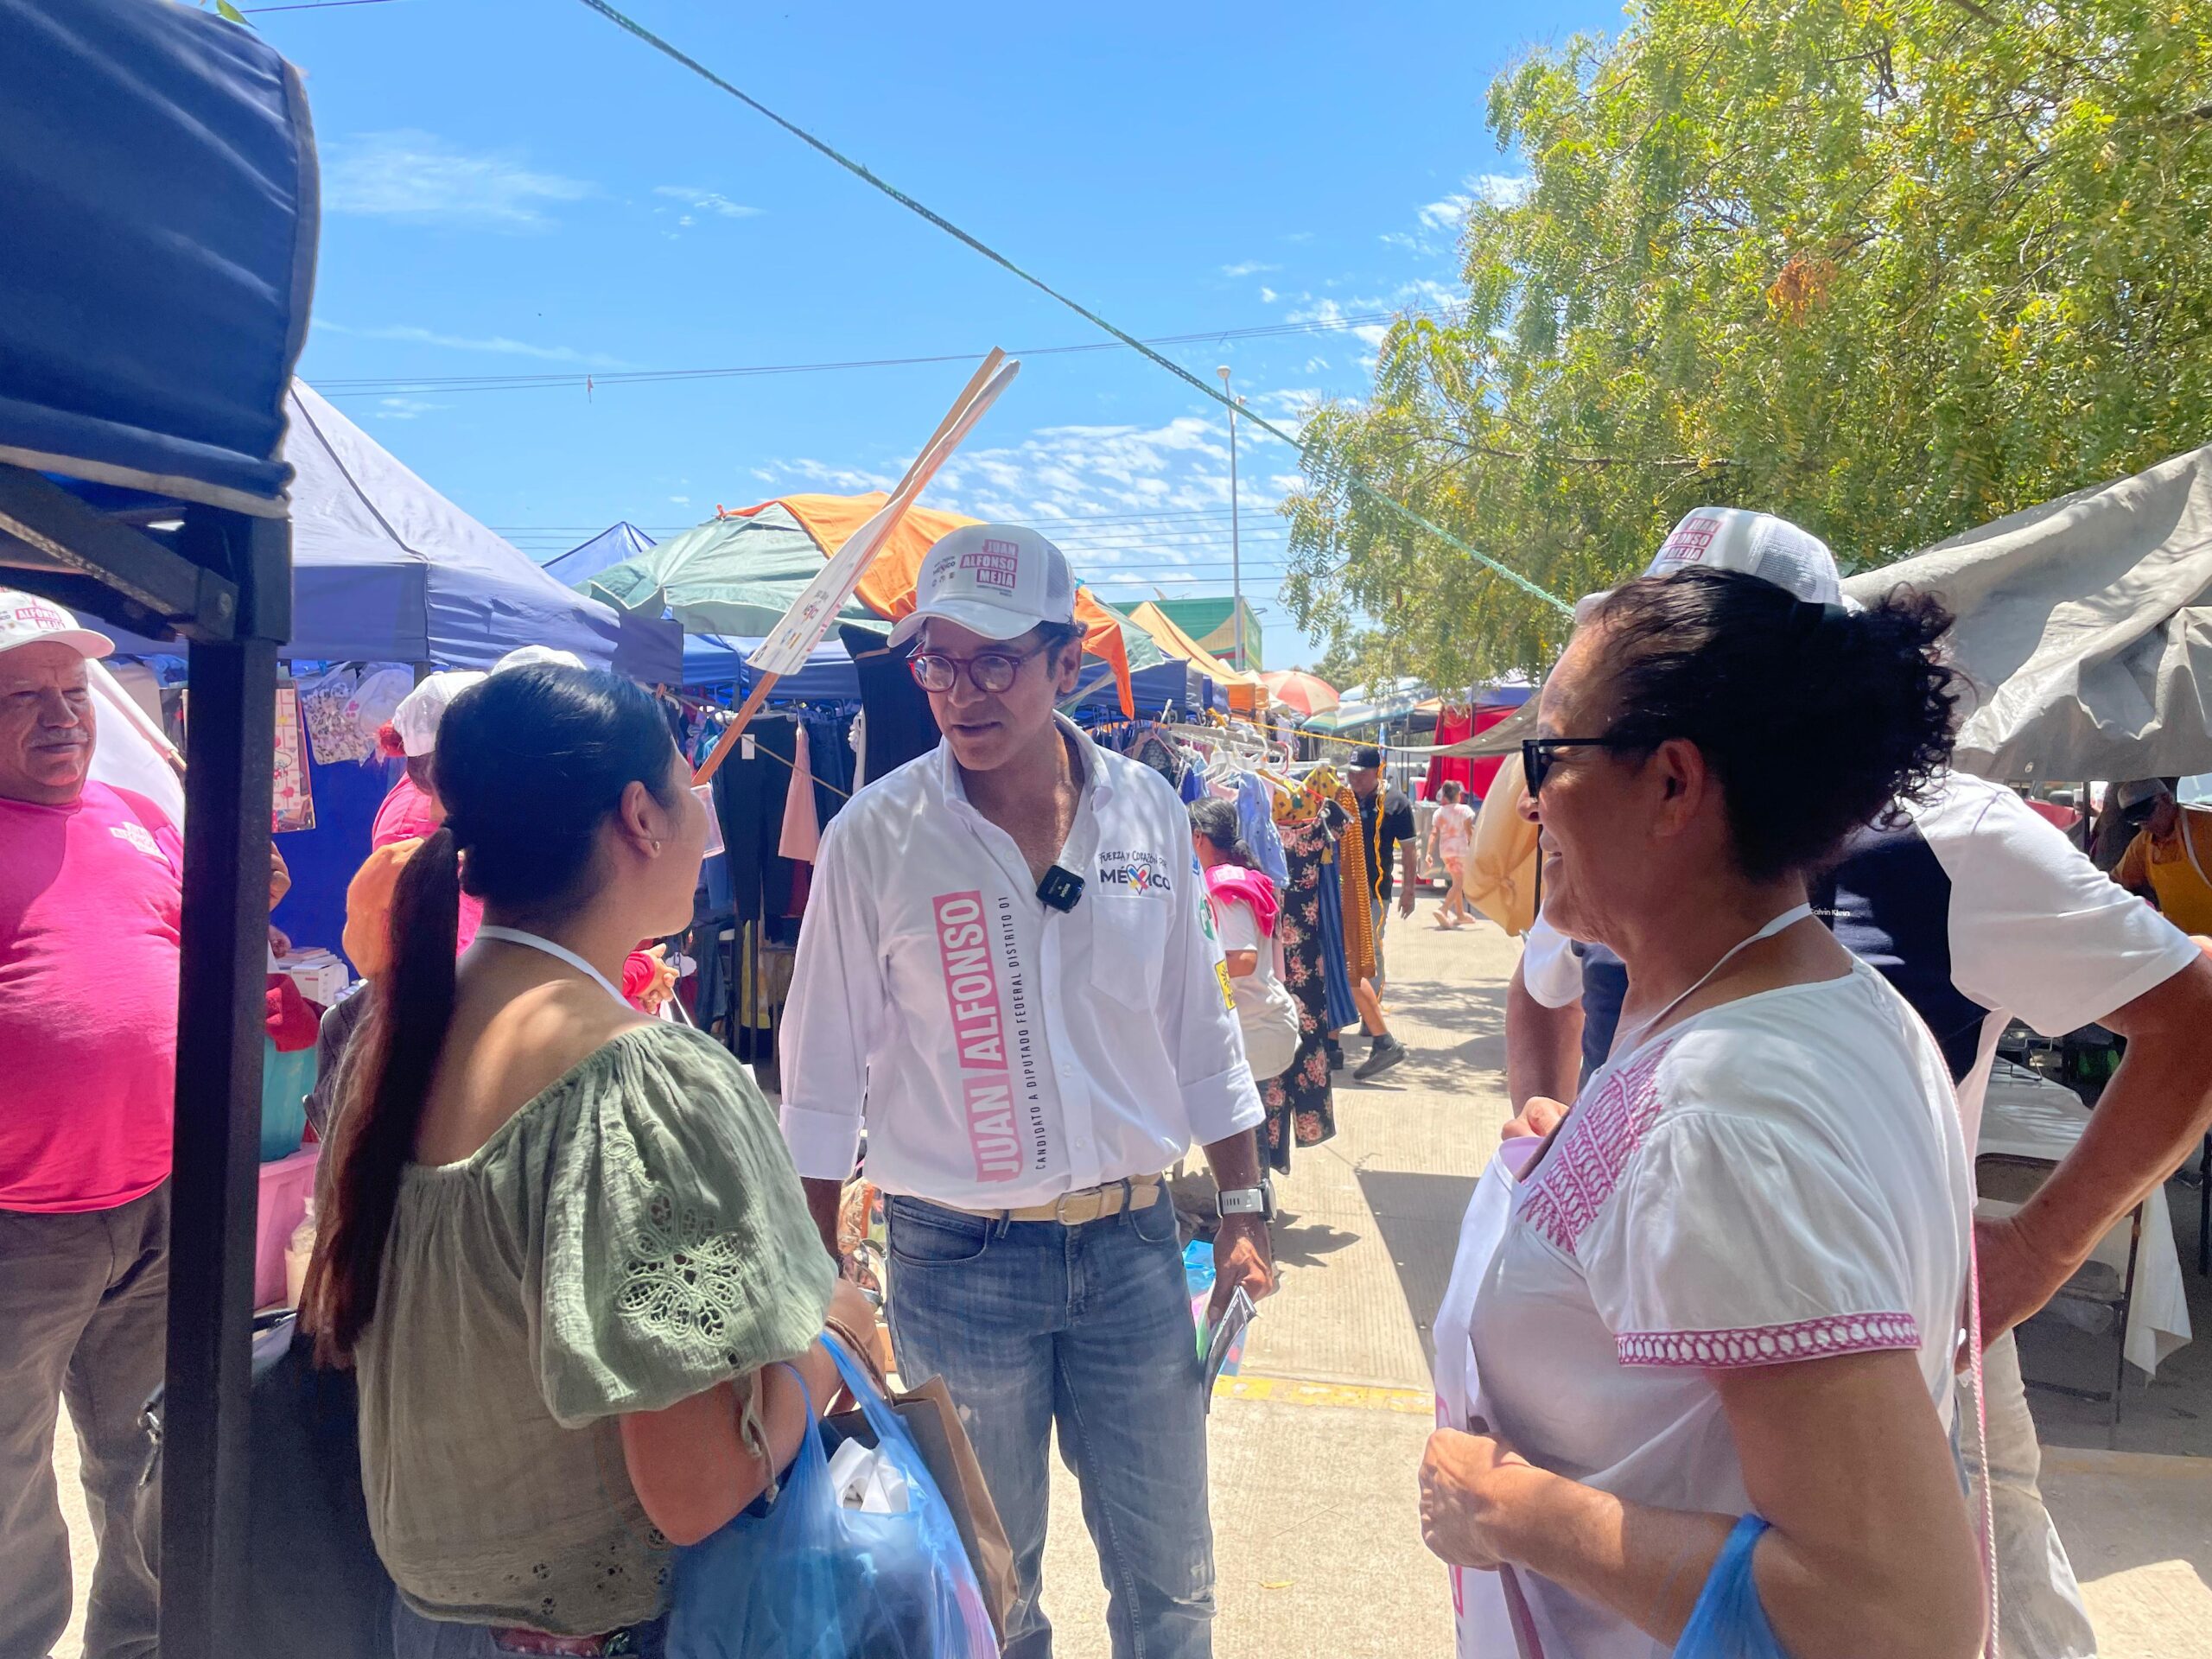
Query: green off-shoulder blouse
(632, 1235)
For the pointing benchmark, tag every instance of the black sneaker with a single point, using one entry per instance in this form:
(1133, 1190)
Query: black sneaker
(1387, 1052)
(1336, 1054)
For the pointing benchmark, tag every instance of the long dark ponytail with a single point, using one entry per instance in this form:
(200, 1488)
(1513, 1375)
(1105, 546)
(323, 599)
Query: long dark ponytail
(1216, 820)
(529, 763)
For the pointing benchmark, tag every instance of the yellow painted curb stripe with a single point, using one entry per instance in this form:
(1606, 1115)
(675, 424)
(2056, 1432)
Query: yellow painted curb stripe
(1284, 1391)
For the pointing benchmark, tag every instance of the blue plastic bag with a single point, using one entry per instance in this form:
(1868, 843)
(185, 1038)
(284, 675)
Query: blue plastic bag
(1728, 1622)
(804, 1578)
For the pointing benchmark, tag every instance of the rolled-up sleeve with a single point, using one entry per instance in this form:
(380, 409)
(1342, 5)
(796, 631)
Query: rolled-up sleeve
(836, 1010)
(1219, 1097)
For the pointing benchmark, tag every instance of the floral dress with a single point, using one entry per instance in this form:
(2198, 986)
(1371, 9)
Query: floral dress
(1302, 1108)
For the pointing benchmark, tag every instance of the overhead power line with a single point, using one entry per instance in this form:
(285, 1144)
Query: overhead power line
(574, 379)
(1357, 485)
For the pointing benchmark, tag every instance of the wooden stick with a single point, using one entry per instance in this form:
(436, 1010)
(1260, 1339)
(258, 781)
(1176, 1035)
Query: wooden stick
(976, 381)
(743, 718)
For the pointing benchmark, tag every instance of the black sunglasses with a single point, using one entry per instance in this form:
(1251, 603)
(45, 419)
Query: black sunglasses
(1540, 754)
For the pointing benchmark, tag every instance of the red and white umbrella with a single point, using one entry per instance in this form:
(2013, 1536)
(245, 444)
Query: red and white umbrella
(1294, 687)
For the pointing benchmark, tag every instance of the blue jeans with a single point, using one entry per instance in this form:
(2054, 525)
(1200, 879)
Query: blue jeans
(414, 1636)
(1032, 1323)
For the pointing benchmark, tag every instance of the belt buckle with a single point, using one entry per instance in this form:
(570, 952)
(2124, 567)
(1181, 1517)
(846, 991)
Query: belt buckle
(1060, 1207)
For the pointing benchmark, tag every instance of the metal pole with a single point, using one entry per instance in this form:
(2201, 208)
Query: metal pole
(1236, 539)
(230, 737)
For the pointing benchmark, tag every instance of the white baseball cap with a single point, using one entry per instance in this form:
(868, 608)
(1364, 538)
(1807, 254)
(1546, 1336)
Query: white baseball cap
(417, 718)
(27, 620)
(1752, 543)
(1755, 544)
(523, 656)
(998, 580)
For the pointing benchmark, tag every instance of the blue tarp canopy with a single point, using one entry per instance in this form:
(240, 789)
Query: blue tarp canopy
(713, 662)
(158, 256)
(611, 547)
(385, 569)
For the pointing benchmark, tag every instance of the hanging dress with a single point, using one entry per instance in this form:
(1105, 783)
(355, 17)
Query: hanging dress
(1301, 1102)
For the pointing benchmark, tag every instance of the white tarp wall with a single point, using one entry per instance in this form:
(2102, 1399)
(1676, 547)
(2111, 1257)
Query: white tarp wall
(2086, 624)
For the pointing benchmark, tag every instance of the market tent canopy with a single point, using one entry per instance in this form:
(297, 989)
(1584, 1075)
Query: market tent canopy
(618, 542)
(738, 573)
(712, 661)
(1371, 706)
(1246, 693)
(2085, 624)
(386, 570)
(159, 177)
(734, 575)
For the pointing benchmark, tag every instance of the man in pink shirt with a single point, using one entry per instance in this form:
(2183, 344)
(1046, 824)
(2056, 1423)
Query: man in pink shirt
(89, 899)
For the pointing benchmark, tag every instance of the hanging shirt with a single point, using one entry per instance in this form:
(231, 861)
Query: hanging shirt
(1976, 909)
(999, 1052)
(90, 896)
(1779, 1178)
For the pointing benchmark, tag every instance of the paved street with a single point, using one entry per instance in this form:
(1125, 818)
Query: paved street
(1318, 1544)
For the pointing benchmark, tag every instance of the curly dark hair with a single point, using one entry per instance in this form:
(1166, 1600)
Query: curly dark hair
(1816, 719)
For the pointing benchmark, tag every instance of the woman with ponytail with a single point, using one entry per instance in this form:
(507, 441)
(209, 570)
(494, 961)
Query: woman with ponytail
(565, 1253)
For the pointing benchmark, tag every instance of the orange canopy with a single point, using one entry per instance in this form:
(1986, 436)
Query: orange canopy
(888, 588)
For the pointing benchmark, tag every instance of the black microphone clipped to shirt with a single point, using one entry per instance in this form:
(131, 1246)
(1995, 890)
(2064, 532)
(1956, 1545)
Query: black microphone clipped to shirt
(1060, 889)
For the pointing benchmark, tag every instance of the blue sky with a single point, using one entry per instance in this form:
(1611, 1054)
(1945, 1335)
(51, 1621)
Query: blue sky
(516, 188)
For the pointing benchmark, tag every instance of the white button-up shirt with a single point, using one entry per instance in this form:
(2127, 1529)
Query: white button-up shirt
(1000, 1053)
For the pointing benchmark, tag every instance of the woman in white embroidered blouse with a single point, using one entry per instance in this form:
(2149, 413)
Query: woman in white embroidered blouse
(1731, 1283)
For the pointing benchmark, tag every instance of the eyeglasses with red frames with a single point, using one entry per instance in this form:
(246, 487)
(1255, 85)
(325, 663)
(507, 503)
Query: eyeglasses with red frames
(991, 671)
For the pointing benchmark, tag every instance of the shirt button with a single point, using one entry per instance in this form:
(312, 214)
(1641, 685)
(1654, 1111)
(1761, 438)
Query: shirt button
(1067, 1070)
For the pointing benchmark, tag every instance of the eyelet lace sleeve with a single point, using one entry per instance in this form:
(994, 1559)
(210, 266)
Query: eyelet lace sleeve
(673, 1248)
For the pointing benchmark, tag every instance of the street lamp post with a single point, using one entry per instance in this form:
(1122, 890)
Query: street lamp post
(1236, 539)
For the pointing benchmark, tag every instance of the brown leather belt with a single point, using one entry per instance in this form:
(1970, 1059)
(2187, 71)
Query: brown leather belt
(1076, 1209)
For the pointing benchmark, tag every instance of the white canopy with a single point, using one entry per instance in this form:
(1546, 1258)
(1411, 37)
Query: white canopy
(2086, 626)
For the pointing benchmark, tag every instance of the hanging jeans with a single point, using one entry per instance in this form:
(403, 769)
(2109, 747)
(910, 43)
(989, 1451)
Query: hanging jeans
(1033, 1324)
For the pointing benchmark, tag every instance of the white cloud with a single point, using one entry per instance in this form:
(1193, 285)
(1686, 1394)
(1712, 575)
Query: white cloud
(1248, 268)
(1502, 189)
(417, 176)
(402, 409)
(680, 500)
(413, 334)
(1331, 311)
(1448, 214)
(706, 201)
(1268, 296)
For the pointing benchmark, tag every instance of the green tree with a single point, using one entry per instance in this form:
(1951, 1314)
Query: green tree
(1891, 268)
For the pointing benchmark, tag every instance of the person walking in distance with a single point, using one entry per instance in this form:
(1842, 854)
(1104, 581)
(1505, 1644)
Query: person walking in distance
(1386, 825)
(1008, 973)
(1450, 833)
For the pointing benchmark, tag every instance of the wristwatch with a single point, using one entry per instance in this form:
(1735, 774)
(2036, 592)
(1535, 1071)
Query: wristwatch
(1248, 1201)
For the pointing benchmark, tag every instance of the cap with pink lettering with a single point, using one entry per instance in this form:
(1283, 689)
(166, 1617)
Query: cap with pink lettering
(998, 580)
(1755, 544)
(27, 620)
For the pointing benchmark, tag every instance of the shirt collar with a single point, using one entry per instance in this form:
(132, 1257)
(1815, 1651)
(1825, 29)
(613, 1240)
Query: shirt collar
(1098, 787)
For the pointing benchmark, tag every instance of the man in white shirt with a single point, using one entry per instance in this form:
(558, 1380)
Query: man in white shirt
(1979, 911)
(1009, 972)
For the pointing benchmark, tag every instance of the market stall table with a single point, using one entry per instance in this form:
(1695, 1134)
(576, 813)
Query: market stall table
(2030, 1116)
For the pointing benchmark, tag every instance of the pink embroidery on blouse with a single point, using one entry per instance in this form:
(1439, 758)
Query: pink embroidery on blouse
(1769, 1345)
(1584, 1165)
